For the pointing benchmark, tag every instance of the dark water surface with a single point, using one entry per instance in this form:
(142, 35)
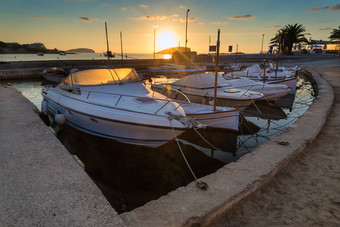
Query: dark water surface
(129, 176)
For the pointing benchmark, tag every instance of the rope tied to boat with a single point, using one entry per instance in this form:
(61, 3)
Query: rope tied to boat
(207, 140)
(200, 184)
(252, 100)
(186, 120)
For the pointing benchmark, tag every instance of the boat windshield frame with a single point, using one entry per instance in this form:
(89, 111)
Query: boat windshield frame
(102, 76)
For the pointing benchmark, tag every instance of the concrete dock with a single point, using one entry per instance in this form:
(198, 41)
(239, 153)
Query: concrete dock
(43, 185)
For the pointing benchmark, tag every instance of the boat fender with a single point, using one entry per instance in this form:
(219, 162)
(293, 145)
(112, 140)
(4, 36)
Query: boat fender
(44, 107)
(60, 118)
(168, 89)
(211, 101)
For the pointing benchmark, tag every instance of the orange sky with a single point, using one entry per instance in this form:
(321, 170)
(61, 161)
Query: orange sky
(67, 24)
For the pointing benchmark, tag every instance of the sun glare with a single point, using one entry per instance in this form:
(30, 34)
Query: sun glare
(167, 56)
(166, 39)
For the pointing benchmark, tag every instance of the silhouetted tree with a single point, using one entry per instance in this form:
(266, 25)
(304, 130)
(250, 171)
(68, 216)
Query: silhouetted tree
(335, 34)
(290, 34)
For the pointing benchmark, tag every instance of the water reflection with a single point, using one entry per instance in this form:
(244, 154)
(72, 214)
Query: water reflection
(130, 176)
(264, 110)
(292, 107)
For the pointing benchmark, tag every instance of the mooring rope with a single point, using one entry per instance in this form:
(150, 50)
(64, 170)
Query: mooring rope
(206, 140)
(200, 184)
(252, 100)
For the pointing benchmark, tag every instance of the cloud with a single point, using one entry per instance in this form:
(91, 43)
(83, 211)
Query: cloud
(38, 16)
(143, 6)
(272, 26)
(156, 17)
(192, 19)
(201, 23)
(317, 7)
(242, 17)
(182, 7)
(123, 8)
(324, 29)
(334, 8)
(87, 19)
(220, 22)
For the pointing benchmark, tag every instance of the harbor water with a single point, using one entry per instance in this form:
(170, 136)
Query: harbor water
(130, 176)
(77, 56)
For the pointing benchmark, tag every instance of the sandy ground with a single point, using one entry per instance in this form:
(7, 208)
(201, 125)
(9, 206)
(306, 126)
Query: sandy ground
(307, 193)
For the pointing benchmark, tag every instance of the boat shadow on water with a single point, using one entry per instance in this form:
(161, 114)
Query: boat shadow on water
(129, 175)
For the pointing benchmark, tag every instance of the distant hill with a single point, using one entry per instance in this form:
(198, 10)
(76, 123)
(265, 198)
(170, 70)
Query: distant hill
(16, 48)
(173, 49)
(80, 50)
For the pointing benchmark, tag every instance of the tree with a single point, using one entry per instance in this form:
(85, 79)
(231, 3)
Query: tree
(290, 34)
(335, 34)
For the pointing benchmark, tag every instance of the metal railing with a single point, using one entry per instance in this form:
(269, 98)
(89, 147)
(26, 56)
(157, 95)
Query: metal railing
(120, 96)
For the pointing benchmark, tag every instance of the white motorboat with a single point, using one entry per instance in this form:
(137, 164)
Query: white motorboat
(225, 118)
(54, 74)
(270, 91)
(199, 88)
(293, 70)
(290, 82)
(114, 103)
(256, 72)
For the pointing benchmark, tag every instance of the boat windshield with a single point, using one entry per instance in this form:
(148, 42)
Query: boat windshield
(102, 76)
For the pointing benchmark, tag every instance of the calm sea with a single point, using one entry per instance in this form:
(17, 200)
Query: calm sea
(77, 56)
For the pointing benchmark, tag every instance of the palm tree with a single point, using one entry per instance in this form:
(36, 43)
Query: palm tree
(290, 34)
(335, 34)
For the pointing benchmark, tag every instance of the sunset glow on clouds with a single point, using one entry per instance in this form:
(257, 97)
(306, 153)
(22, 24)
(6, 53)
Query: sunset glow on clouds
(241, 22)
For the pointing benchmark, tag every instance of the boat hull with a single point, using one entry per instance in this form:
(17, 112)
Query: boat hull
(222, 118)
(123, 131)
(54, 78)
(290, 82)
(272, 96)
(226, 120)
(223, 102)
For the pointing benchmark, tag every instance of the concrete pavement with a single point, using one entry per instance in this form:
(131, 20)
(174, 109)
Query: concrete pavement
(41, 184)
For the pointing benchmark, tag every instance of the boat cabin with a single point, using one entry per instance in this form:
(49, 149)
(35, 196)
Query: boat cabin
(91, 77)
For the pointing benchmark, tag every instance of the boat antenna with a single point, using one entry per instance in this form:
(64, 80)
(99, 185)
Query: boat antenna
(236, 52)
(121, 47)
(154, 43)
(216, 68)
(107, 47)
(109, 54)
(278, 55)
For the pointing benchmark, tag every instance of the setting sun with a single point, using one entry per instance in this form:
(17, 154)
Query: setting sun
(166, 39)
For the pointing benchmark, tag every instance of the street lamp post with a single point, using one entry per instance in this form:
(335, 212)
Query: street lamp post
(262, 44)
(154, 42)
(186, 30)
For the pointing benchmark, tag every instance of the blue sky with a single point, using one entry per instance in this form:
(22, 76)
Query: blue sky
(66, 24)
